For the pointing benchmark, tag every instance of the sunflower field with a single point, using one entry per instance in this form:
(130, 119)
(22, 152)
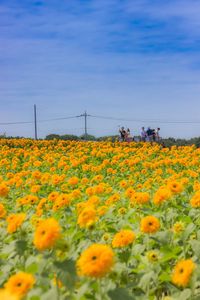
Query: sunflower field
(99, 220)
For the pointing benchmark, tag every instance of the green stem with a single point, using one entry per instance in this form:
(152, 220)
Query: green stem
(57, 288)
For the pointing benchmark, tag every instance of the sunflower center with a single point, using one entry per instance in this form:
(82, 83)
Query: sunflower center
(94, 257)
(43, 232)
(181, 270)
(19, 284)
(150, 223)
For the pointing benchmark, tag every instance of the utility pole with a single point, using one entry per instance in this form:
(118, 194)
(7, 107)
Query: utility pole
(85, 115)
(35, 121)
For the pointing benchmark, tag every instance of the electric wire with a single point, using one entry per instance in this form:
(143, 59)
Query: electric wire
(145, 121)
(106, 118)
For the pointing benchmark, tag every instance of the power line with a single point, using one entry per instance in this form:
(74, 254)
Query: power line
(145, 121)
(57, 119)
(39, 121)
(85, 115)
(14, 123)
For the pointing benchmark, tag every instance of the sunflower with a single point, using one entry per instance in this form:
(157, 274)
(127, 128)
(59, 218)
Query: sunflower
(87, 216)
(96, 261)
(106, 237)
(178, 227)
(195, 201)
(102, 210)
(123, 184)
(15, 221)
(53, 196)
(35, 188)
(129, 192)
(162, 194)
(73, 180)
(149, 224)
(182, 272)
(140, 198)
(46, 234)
(175, 187)
(123, 238)
(4, 190)
(152, 256)
(122, 210)
(93, 200)
(6, 295)
(19, 284)
(2, 211)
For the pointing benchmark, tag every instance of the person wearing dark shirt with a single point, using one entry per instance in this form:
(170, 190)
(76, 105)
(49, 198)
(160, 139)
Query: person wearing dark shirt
(122, 132)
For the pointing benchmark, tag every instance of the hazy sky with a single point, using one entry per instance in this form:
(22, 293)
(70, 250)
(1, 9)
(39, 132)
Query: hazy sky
(130, 59)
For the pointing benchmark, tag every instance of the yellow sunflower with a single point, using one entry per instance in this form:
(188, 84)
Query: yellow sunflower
(182, 272)
(123, 238)
(46, 234)
(149, 224)
(19, 284)
(96, 261)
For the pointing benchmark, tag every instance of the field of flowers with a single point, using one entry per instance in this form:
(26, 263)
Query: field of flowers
(99, 220)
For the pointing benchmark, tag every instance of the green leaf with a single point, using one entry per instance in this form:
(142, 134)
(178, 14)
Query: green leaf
(125, 255)
(66, 266)
(33, 268)
(184, 295)
(8, 249)
(168, 256)
(35, 298)
(51, 294)
(66, 272)
(138, 249)
(190, 189)
(196, 247)
(189, 229)
(120, 294)
(164, 236)
(145, 280)
(21, 247)
(164, 277)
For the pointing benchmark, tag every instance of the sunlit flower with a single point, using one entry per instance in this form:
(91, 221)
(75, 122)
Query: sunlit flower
(182, 272)
(46, 234)
(123, 238)
(15, 221)
(2, 211)
(4, 189)
(6, 295)
(149, 224)
(20, 283)
(87, 216)
(96, 261)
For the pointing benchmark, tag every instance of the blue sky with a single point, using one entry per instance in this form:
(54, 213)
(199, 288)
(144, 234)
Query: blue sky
(131, 59)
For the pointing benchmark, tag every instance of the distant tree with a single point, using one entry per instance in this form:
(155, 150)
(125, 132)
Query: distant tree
(52, 136)
(88, 137)
(69, 137)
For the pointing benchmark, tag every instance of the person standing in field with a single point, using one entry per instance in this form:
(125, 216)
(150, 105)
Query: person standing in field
(128, 137)
(157, 134)
(143, 135)
(153, 135)
(149, 134)
(122, 132)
